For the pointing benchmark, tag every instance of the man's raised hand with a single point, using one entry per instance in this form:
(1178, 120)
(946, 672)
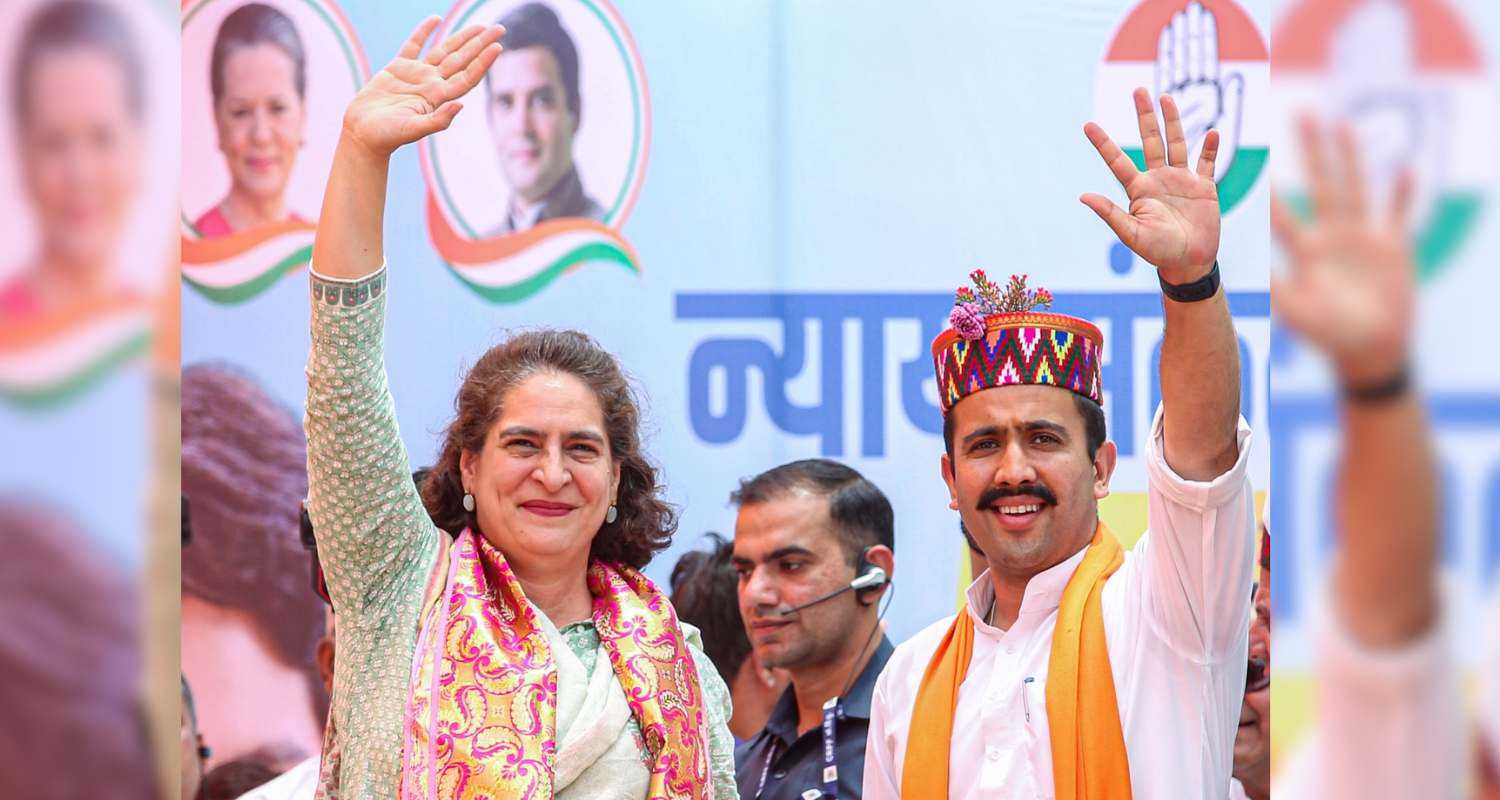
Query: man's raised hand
(415, 95)
(1173, 221)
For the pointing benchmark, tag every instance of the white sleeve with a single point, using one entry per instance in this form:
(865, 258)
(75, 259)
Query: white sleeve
(1197, 559)
(1390, 721)
(881, 781)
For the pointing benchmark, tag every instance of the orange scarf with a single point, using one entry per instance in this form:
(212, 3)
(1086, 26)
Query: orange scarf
(1088, 746)
(482, 717)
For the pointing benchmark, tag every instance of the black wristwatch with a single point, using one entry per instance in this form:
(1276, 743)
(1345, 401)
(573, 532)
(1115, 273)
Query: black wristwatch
(1380, 391)
(1201, 289)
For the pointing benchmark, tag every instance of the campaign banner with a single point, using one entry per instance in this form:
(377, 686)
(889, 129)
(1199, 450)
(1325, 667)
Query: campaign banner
(764, 210)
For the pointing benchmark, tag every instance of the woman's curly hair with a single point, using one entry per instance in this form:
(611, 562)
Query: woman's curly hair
(645, 523)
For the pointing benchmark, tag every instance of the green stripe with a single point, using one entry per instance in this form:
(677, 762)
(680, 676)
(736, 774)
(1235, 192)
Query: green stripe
(1453, 216)
(1236, 183)
(44, 397)
(520, 290)
(240, 292)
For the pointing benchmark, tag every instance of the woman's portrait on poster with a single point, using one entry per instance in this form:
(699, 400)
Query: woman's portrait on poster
(78, 101)
(258, 77)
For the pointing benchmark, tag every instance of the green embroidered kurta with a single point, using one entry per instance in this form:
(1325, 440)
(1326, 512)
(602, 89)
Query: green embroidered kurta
(378, 548)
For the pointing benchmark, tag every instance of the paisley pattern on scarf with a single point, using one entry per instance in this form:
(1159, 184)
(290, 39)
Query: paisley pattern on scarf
(638, 628)
(481, 721)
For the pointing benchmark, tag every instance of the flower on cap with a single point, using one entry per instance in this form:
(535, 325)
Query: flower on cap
(968, 320)
(972, 305)
(989, 293)
(1017, 298)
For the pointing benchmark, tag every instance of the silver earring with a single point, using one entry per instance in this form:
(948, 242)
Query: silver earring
(611, 515)
(468, 502)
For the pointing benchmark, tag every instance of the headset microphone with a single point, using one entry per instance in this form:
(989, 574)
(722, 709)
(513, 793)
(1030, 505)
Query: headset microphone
(873, 577)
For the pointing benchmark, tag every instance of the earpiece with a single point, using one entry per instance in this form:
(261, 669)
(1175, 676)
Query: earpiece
(870, 576)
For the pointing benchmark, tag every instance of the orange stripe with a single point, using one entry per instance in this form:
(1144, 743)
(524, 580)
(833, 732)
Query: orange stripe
(458, 249)
(1136, 39)
(1304, 35)
(25, 333)
(209, 251)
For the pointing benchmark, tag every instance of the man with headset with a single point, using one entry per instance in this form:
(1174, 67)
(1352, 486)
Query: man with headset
(813, 550)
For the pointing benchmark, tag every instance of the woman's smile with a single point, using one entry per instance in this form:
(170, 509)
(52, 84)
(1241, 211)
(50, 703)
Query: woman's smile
(548, 508)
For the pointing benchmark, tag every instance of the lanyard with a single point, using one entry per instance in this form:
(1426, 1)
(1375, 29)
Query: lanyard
(765, 770)
(832, 710)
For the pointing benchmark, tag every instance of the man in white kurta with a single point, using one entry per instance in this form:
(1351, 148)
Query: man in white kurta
(1026, 462)
(1177, 624)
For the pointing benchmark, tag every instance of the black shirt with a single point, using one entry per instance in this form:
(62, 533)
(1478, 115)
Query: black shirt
(797, 761)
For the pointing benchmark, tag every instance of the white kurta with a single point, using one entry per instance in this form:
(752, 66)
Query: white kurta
(1176, 620)
(1390, 721)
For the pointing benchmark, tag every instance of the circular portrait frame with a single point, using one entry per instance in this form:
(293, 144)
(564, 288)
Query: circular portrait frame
(233, 266)
(469, 220)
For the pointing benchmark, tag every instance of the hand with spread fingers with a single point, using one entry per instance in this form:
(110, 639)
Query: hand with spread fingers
(1173, 220)
(1349, 285)
(416, 95)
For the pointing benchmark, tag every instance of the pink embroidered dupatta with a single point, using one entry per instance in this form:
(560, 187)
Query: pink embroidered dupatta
(481, 720)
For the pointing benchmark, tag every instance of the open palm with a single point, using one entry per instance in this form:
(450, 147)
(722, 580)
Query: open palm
(1173, 221)
(1349, 285)
(416, 95)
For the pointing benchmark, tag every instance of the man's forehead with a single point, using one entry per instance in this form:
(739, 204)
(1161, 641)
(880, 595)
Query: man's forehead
(528, 65)
(1015, 405)
(792, 518)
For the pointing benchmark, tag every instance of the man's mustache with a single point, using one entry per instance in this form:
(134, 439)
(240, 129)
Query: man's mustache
(995, 494)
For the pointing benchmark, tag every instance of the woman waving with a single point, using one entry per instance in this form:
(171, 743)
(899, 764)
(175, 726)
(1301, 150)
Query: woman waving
(495, 637)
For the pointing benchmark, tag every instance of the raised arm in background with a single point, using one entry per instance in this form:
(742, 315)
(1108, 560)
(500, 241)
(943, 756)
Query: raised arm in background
(1349, 292)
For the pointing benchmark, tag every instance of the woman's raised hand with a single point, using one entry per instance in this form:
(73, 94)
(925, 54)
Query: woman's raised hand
(412, 97)
(417, 95)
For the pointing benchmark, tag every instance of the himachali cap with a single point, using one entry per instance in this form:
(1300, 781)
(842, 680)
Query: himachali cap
(997, 339)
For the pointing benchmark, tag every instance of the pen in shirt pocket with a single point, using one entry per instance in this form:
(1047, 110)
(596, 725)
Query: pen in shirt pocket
(1026, 695)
